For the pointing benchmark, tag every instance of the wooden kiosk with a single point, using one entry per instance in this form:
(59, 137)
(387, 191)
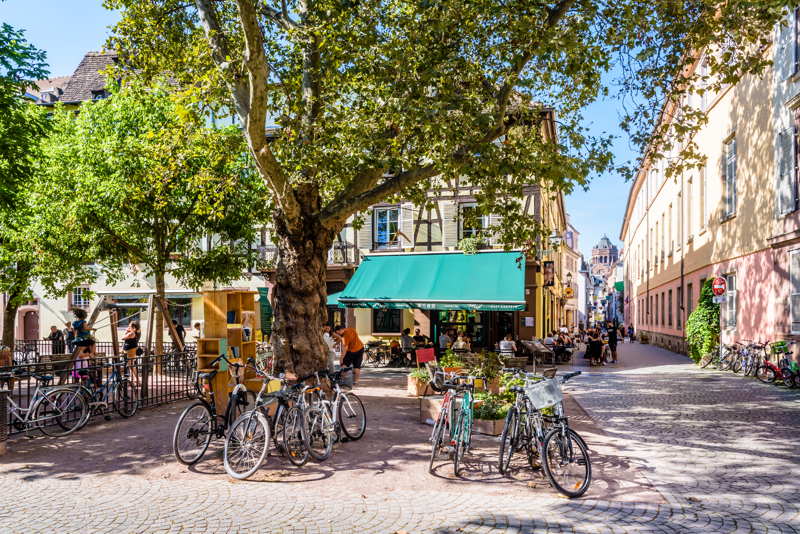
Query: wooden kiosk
(228, 316)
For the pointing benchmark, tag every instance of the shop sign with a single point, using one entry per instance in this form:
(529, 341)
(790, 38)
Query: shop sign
(549, 269)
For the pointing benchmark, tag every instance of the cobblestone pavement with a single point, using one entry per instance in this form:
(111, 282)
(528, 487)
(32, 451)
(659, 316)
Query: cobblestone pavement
(674, 448)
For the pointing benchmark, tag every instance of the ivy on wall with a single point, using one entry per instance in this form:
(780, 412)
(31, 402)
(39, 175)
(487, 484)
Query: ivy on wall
(702, 326)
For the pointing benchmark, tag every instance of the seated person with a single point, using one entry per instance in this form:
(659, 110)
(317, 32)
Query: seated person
(507, 346)
(419, 339)
(461, 344)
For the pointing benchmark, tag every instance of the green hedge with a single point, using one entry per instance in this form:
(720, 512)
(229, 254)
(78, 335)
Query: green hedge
(702, 326)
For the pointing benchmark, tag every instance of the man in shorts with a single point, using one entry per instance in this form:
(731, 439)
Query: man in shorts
(353, 350)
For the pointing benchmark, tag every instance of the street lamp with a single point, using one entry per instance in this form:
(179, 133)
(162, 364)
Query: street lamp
(569, 279)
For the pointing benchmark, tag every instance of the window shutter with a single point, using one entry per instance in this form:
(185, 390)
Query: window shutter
(787, 193)
(365, 233)
(449, 223)
(406, 224)
(794, 274)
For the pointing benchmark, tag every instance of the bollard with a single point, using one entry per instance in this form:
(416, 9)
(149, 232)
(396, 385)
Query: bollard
(3, 420)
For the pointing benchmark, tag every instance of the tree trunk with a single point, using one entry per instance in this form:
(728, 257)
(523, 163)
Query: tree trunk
(300, 292)
(159, 318)
(9, 321)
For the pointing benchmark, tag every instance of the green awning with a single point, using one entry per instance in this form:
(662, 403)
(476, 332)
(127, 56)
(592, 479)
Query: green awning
(444, 281)
(333, 300)
(619, 286)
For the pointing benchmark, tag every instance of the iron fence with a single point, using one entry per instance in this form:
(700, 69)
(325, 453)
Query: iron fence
(160, 379)
(31, 351)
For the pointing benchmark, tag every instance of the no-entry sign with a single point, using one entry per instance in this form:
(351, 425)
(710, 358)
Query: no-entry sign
(718, 286)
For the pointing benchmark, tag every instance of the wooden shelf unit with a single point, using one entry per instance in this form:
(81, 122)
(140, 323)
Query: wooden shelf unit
(223, 336)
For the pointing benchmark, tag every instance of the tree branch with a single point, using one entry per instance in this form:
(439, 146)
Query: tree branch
(222, 56)
(134, 250)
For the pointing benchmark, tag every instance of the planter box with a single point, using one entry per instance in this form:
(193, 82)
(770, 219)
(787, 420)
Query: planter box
(452, 369)
(488, 427)
(429, 408)
(418, 388)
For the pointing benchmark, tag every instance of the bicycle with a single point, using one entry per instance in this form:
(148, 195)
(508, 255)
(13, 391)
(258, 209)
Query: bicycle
(247, 443)
(325, 418)
(455, 417)
(50, 407)
(200, 422)
(117, 392)
(720, 356)
(377, 355)
(549, 437)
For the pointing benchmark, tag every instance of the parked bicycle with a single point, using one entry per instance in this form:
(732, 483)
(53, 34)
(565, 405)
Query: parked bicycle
(54, 410)
(563, 453)
(116, 393)
(452, 430)
(200, 423)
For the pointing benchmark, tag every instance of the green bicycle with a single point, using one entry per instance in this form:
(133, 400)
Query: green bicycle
(454, 419)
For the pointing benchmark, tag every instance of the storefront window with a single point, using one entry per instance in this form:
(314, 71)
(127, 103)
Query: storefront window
(386, 321)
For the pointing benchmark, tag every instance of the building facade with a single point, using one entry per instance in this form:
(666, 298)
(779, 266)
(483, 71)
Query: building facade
(736, 217)
(604, 256)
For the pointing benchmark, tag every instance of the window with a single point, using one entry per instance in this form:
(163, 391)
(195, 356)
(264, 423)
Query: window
(471, 223)
(655, 311)
(128, 310)
(678, 306)
(386, 227)
(663, 310)
(669, 308)
(729, 310)
(794, 299)
(705, 99)
(702, 194)
(796, 40)
(787, 171)
(79, 298)
(689, 299)
(730, 178)
(181, 310)
(689, 226)
(386, 321)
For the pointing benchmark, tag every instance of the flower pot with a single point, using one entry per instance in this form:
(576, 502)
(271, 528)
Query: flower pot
(488, 427)
(418, 388)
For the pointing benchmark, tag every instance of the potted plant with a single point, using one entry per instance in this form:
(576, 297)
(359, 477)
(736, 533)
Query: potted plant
(451, 362)
(418, 383)
(489, 366)
(489, 412)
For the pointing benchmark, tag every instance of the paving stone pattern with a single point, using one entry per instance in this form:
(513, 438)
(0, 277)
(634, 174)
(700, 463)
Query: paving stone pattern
(719, 450)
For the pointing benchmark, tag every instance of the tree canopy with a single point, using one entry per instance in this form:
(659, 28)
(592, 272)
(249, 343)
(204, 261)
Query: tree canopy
(137, 179)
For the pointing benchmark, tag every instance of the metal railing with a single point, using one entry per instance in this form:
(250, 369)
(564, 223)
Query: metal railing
(162, 379)
(31, 351)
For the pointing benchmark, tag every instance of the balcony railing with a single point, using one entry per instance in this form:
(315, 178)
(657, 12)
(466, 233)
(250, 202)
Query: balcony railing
(341, 253)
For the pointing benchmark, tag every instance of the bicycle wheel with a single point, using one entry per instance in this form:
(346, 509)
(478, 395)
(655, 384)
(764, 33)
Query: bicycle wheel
(736, 365)
(566, 462)
(60, 412)
(766, 374)
(460, 442)
(192, 433)
(126, 399)
(293, 437)
(706, 360)
(318, 434)
(725, 361)
(352, 416)
(438, 433)
(246, 445)
(508, 440)
(786, 373)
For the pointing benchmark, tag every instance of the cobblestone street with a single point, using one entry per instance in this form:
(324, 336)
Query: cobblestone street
(674, 449)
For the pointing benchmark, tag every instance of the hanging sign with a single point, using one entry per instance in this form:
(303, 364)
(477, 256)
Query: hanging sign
(549, 273)
(569, 292)
(719, 286)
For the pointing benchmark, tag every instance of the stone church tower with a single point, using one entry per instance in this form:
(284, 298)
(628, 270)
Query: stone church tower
(604, 257)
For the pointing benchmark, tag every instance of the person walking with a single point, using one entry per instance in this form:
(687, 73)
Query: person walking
(130, 345)
(330, 342)
(612, 343)
(630, 332)
(56, 339)
(353, 350)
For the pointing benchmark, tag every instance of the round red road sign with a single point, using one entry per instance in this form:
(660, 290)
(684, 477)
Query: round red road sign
(718, 286)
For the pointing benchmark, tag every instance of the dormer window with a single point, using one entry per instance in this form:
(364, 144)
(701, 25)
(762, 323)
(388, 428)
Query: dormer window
(99, 94)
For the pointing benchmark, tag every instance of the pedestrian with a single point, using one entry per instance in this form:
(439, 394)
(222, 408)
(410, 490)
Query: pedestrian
(594, 349)
(420, 340)
(69, 337)
(180, 330)
(352, 349)
(612, 343)
(630, 333)
(130, 345)
(407, 345)
(83, 334)
(56, 339)
(444, 341)
(330, 342)
(197, 332)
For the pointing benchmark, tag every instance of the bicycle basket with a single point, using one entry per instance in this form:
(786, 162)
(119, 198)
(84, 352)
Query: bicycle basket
(544, 393)
(780, 347)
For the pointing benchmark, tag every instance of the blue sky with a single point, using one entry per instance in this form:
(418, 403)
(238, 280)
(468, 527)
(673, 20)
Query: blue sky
(68, 29)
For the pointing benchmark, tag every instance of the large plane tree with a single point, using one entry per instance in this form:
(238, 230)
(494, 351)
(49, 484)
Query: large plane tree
(376, 99)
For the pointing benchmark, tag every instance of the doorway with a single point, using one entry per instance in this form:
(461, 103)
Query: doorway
(30, 325)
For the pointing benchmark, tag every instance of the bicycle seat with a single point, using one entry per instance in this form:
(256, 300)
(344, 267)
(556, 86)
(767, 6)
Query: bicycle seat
(44, 379)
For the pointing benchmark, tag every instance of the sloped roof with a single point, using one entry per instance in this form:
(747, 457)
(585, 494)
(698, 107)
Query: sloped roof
(55, 85)
(87, 77)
